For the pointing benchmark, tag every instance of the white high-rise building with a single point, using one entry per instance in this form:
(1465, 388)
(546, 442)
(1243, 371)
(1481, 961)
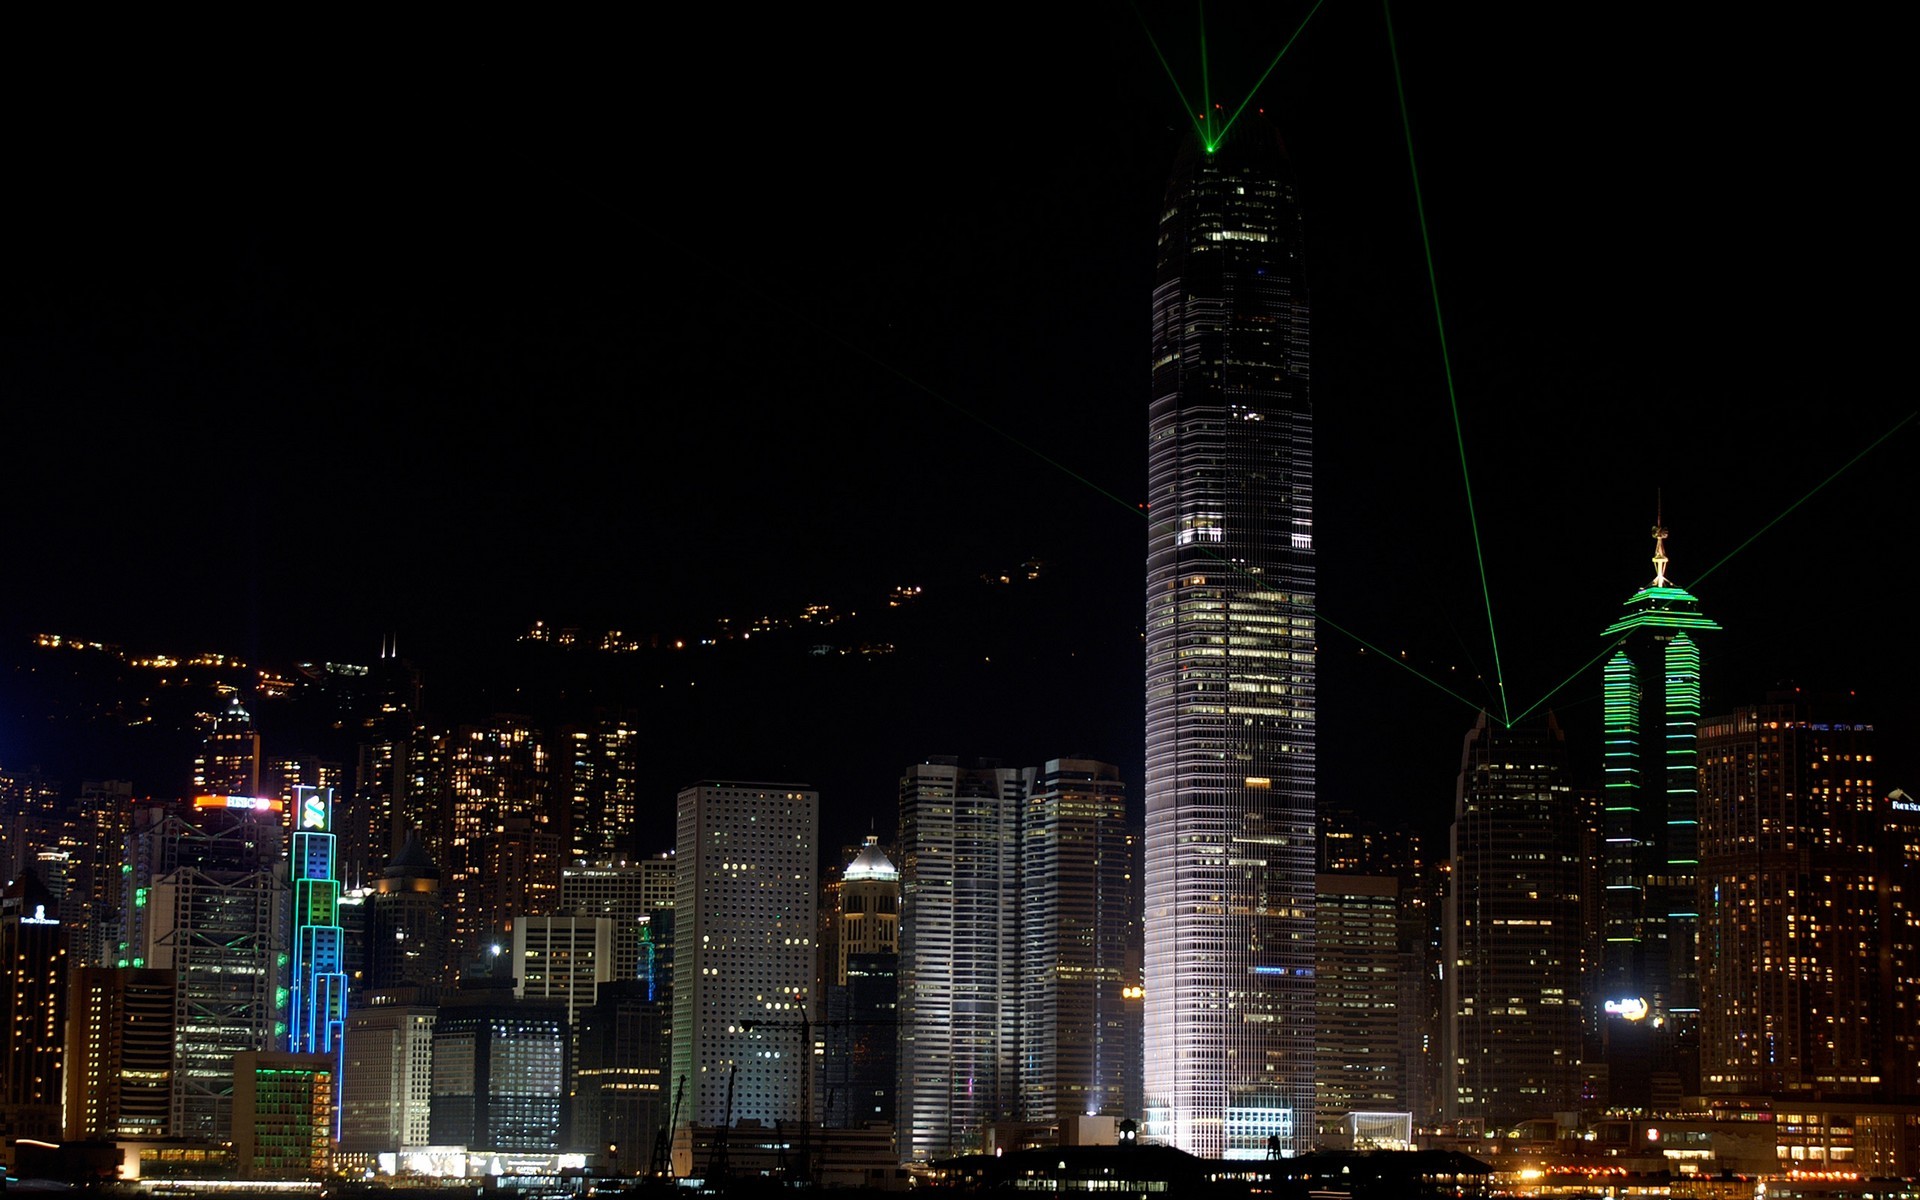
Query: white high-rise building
(1230, 659)
(386, 1101)
(744, 930)
(959, 953)
(562, 958)
(1018, 972)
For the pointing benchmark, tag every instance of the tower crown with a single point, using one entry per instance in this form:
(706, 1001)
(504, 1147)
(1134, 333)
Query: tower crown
(1661, 604)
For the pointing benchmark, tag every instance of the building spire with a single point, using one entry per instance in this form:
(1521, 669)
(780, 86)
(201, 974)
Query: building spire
(1660, 559)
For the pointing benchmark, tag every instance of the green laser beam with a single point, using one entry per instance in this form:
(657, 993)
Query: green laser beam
(1206, 84)
(1446, 362)
(1557, 688)
(1871, 447)
(1171, 77)
(1260, 82)
(1397, 661)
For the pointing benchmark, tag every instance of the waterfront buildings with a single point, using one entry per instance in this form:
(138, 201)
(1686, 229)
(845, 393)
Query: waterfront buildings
(1230, 706)
(744, 926)
(1514, 1030)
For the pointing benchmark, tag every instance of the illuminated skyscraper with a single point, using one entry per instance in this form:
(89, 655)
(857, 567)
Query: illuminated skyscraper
(1079, 946)
(229, 761)
(407, 923)
(1651, 920)
(317, 1014)
(861, 975)
(502, 855)
(959, 954)
(1019, 995)
(33, 1006)
(1513, 1035)
(1230, 660)
(744, 923)
(119, 1053)
(207, 900)
(1806, 966)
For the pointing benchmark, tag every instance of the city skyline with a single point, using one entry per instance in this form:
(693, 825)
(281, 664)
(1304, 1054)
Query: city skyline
(248, 375)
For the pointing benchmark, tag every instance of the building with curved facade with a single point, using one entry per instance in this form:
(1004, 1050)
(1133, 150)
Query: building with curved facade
(1229, 1007)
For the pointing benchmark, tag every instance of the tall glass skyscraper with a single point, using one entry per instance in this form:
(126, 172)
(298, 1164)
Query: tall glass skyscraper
(1230, 660)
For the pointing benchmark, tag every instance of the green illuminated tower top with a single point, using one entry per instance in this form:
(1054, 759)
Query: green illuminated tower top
(1651, 693)
(1660, 604)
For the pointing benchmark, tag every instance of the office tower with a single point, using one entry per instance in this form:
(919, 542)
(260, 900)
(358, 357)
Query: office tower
(386, 1098)
(229, 760)
(959, 954)
(599, 783)
(317, 1007)
(382, 810)
(29, 814)
(283, 1114)
(1357, 954)
(1651, 693)
(499, 1071)
(620, 1100)
(1352, 843)
(861, 934)
(119, 1053)
(1797, 857)
(406, 923)
(564, 959)
(1900, 939)
(1079, 1033)
(33, 1009)
(744, 923)
(208, 895)
(498, 776)
(1513, 953)
(523, 859)
(626, 893)
(1230, 660)
(104, 814)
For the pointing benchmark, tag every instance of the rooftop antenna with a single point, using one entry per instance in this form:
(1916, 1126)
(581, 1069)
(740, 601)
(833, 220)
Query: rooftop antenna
(1660, 559)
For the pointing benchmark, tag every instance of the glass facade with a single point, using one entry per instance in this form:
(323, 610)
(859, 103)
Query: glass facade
(1230, 661)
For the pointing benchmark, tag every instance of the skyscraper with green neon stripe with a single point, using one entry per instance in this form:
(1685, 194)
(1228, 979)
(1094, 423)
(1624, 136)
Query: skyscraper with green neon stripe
(1651, 694)
(1230, 706)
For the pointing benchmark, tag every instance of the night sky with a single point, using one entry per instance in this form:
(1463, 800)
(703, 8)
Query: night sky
(315, 339)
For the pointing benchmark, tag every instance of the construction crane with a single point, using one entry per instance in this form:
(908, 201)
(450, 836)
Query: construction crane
(718, 1168)
(805, 1026)
(662, 1165)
